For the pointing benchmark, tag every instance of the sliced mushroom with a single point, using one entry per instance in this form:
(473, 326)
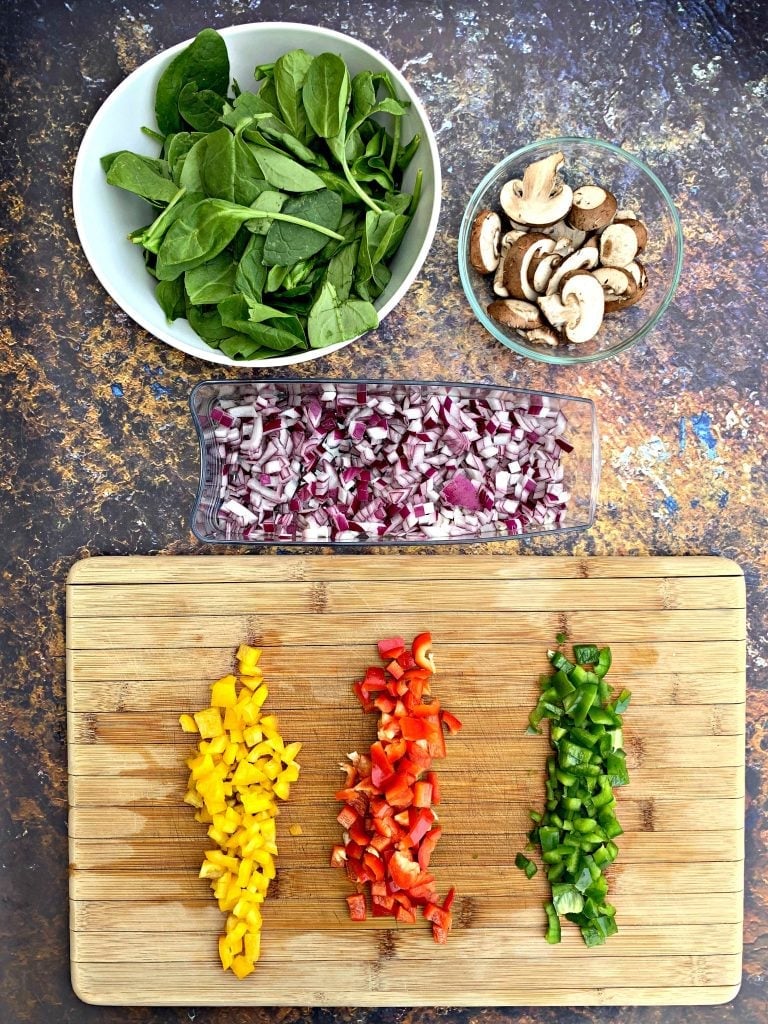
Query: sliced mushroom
(641, 231)
(582, 259)
(556, 311)
(586, 293)
(540, 198)
(563, 230)
(618, 245)
(515, 313)
(564, 246)
(593, 208)
(498, 280)
(638, 274)
(541, 268)
(484, 242)
(543, 336)
(619, 287)
(625, 215)
(516, 262)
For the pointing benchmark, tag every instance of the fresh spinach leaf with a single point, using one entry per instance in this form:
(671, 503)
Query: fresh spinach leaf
(284, 173)
(326, 94)
(407, 153)
(288, 243)
(205, 62)
(262, 71)
(201, 108)
(175, 150)
(275, 278)
(216, 164)
(340, 271)
(198, 235)
(251, 273)
(363, 95)
(151, 163)
(151, 236)
(138, 175)
(338, 184)
(268, 327)
(212, 281)
(170, 296)
(289, 73)
(248, 184)
(332, 319)
(268, 201)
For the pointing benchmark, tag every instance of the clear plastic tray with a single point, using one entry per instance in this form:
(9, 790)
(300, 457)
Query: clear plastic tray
(581, 466)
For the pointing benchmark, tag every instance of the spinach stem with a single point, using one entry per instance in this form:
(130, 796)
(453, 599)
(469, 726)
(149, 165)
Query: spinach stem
(360, 191)
(265, 214)
(395, 144)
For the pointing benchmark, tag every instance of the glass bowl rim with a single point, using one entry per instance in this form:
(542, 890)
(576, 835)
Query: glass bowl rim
(350, 546)
(545, 355)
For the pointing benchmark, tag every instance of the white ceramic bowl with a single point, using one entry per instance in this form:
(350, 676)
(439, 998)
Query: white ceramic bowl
(104, 215)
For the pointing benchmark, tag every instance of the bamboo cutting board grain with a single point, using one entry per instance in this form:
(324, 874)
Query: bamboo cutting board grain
(145, 638)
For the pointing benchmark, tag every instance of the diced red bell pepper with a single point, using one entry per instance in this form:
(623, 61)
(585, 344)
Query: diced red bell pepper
(432, 778)
(406, 661)
(362, 697)
(381, 767)
(379, 911)
(375, 865)
(375, 679)
(448, 901)
(398, 791)
(434, 737)
(451, 722)
(358, 832)
(427, 846)
(420, 823)
(405, 872)
(425, 710)
(383, 702)
(422, 794)
(402, 897)
(347, 816)
(381, 842)
(392, 647)
(422, 651)
(395, 750)
(420, 757)
(405, 915)
(356, 906)
(338, 857)
(394, 669)
(413, 728)
(440, 934)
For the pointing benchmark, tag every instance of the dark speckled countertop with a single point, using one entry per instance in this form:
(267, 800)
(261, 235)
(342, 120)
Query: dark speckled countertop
(97, 452)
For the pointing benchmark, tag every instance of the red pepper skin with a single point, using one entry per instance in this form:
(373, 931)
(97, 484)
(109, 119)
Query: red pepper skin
(421, 649)
(432, 778)
(427, 847)
(338, 857)
(422, 794)
(356, 906)
(451, 722)
(392, 647)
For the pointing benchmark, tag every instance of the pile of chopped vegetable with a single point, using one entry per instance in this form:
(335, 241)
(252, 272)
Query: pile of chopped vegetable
(575, 834)
(390, 829)
(241, 768)
(350, 462)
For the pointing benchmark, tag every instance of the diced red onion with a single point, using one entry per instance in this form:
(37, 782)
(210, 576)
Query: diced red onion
(348, 464)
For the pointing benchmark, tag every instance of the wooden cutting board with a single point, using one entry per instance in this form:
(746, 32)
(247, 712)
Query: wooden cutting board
(145, 638)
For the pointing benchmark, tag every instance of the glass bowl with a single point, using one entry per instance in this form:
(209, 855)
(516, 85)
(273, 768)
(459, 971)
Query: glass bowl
(581, 465)
(636, 187)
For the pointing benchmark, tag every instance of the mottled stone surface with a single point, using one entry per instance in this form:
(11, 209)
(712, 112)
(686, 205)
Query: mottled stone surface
(97, 451)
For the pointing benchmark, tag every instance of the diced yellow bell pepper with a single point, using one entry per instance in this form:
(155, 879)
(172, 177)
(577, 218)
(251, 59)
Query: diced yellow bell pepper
(209, 722)
(224, 692)
(252, 946)
(187, 723)
(225, 953)
(252, 735)
(290, 752)
(218, 745)
(291, 772)
(260, 694)
(242, 967)
(247, 654)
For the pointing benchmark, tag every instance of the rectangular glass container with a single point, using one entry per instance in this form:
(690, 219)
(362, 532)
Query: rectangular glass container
(581, 466)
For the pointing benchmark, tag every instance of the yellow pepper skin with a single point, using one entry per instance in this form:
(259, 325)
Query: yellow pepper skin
(240, 770)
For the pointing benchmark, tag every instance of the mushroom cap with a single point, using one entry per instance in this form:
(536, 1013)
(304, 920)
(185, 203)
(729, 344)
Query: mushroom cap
(641, 231)
(618, 245)
(587, 292)
(583, 259)
(543, 336)
(484, 242)
(540, 198)
(541, 268)
(516, 314)
(498, 280)
(619, 287)
(516, 262)
(593, 208)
